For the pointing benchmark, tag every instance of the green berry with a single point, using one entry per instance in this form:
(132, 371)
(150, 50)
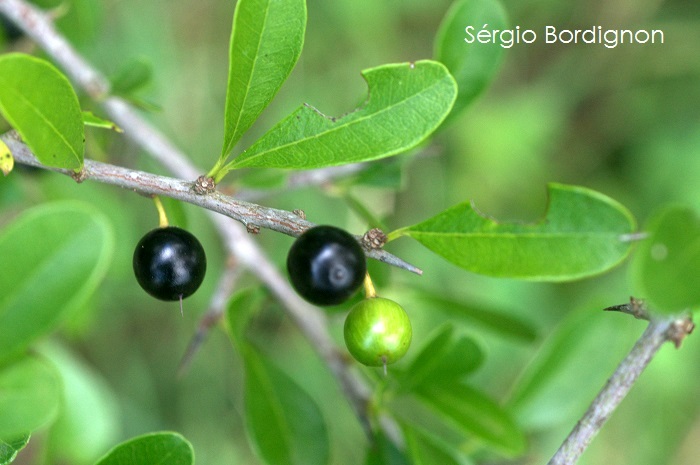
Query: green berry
(377, 331)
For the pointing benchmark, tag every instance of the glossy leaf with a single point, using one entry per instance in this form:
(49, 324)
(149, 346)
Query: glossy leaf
(266, 41)
(30, 391)
(668, 261)
(41, 290)
(475, 414)
(446, 357)
(583, 234)
(40, 104)
(493, 319)
(281, 417)
(162, 448)
(10, 448)
(473, 65)
(406, 103)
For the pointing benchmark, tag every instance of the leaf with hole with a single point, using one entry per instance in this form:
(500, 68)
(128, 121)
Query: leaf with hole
(266, 41)
(151, 449)
(582, 234)
(41, 290)
(668, 261)
(406, 103)
(40, 104)
(30, 394)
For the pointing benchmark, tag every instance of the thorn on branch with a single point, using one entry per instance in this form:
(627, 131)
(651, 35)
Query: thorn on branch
(635, 307)
(204, 185)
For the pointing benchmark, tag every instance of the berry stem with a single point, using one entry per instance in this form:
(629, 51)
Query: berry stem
(162, 217)
(370, 291)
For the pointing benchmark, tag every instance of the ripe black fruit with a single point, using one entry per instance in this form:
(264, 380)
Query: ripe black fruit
(326, 265)
(169, 263)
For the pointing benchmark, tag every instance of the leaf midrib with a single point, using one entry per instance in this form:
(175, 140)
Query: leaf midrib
(42, 117)
(353, 122)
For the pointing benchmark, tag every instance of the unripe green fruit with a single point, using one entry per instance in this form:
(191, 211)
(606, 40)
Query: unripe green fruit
(377, 331)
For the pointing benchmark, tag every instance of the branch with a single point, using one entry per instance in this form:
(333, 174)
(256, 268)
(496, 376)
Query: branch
(660, 330)
(309, 319)
(251, 215)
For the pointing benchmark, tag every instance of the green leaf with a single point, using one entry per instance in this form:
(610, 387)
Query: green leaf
(10, 449)
(406, 103)
(132, 77)
(583, 233)
(30, 392)
(58, 253)
(475, 414)
(490, 318)
(427, 450)
(88, 422)
(472, 64)
(384, 452)
(266, 40)
(39, 102)
(576, 359)
(90, 119)
(243, 304)
(162, 448)
(281, 417)
(445, 358)
(668, 261)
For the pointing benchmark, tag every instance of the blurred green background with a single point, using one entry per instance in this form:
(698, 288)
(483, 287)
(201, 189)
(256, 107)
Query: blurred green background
(624, 121)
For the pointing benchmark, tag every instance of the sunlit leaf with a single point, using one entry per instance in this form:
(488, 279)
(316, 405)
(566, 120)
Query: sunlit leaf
(406, 103)
(10, 448)
(7, 161)
(37, 287)
(281, 417)
(39, 102)
(30, 391)
(668, 261)
(474, 64)
(583, 233)
(266, 41)
(163, 448)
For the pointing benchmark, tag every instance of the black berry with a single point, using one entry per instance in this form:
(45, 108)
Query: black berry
(326, 265)
(169, 263)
